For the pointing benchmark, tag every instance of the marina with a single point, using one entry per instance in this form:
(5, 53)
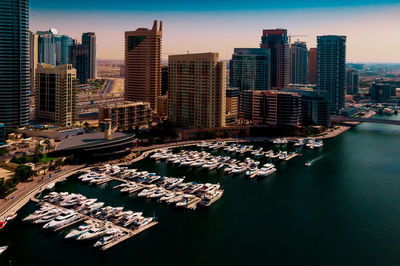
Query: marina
(93, 219)
(307, 210)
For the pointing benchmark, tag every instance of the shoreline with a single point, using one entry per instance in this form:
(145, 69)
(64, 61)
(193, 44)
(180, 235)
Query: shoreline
(25, 196)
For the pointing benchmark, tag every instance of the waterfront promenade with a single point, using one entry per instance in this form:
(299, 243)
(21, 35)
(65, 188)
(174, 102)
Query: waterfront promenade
(25, 191)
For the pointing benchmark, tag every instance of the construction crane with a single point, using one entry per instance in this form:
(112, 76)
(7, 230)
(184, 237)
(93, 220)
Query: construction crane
(290, 37)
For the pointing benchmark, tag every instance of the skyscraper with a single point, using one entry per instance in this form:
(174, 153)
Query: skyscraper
(331, 75)
(197, 91)
(312, 66)
(14, 62)
(298, 63)
(56, 94)
(33, 58)
(250, 69)
(277, 42)
(66, 44)
(89, 39)
(47, 47)
(79, 58)
(143, 65)
(352, 81)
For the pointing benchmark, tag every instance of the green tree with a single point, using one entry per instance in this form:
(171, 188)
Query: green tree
(23, 172)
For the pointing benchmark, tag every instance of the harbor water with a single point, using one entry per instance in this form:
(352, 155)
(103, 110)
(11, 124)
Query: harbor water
(343, 210)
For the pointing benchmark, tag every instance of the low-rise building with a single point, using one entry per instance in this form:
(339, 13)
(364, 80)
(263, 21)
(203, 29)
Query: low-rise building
(126, 114)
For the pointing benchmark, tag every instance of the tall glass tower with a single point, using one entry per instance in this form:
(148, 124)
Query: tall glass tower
(331, 69)
(14, 62)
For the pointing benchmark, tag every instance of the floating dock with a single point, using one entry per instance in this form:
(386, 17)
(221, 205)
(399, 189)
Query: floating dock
(291, 156)
(129, 235)
(129, 232)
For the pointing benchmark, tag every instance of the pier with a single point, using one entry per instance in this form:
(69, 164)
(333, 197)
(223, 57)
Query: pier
(291, 156)
(129, 232)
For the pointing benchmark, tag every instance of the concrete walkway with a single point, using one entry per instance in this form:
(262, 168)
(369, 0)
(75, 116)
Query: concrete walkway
(26, 191)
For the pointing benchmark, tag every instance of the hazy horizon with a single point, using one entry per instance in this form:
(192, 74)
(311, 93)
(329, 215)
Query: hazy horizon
(372, 31)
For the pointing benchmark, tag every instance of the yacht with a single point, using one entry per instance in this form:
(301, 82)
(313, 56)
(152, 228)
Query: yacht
(177, 197)
(318, 143)
(94, 232)
(111, 236)
(62, 220)
(141, 221)
(47, 218)
(283, 155)
(266, 170)
(157, 194)
(80, 231)
(284, 141)
(186, 200)
(252, 171)
(239, 169)
(167, 197)
(211, 197)
(299, 142)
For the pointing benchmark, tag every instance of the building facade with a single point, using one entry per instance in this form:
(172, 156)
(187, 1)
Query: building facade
(56, 94)
(14, 63)
(381, 91)
(331, 74)
(143, 65)
(298, 63)
(276, 40)
(127, 114)
(197, 90)
(312, 65)
(232, 104)
(271, 107)
(89, 40)
(79, 57)
(250, 69)
(162, 106)
(352, 81)
(33, 58)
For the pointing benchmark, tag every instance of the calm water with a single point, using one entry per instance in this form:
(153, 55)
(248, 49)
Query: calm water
(344, 210)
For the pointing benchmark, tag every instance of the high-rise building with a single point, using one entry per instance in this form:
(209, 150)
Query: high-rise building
(298, 63)
(33, 58)
(143, 65)
(56, 94)
(276, 41)
(14, 62)
(164, 80)
(352, 81)
(197, 90)
(232, 104)
(250, 69)
(331, 75)
(312, 66)
(271, 107)
(66, 44)
(47, 47)
(79, 57)
(89, 40)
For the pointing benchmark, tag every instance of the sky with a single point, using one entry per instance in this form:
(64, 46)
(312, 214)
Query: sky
(372, 27)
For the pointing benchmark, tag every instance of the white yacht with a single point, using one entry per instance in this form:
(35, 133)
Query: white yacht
(211, 197)
(62, 220)
(94, 232)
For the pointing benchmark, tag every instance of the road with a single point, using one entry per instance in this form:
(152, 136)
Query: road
(27, 190)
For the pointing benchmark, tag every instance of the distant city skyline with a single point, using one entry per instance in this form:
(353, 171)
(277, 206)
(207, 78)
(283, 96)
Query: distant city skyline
(371, 29)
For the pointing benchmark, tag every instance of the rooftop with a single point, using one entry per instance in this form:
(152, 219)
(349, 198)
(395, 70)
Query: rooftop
(91, 140)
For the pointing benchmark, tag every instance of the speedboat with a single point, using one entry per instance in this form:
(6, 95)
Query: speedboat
(308, 163)
(283, 155)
